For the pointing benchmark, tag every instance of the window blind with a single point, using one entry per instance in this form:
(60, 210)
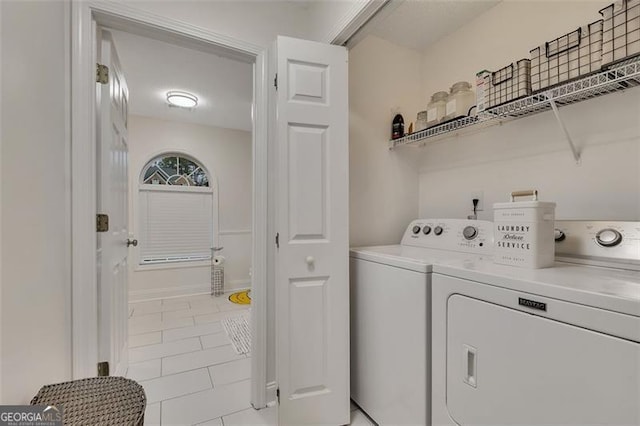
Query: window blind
(175, 225)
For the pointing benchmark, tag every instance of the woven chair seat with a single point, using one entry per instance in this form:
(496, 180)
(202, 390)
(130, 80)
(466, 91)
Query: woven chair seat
(96, 401)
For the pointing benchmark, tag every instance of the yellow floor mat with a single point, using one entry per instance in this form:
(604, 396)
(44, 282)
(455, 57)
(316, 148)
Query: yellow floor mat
(241, 297)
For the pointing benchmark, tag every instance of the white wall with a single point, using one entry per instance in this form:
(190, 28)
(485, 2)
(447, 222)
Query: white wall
(36, 291)
(34, 315)
(260, 21)
(499, 36)
(254, 21)
(1, 138)
(528, 153)
(383, 184)
(531, 152)
(227, 155)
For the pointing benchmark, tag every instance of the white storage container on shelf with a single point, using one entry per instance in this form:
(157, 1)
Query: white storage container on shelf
(507, 84)
(421, 121)
(621, 31)
(461, 99)
(437, 107)
(573, 55)
(524, 232)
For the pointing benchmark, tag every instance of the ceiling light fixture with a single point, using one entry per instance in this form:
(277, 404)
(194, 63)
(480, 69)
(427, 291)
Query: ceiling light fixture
(182, 99)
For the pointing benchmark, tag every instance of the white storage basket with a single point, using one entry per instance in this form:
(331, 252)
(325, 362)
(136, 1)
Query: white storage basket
(480, 106)
(621, 31)
(507, 84)
(524, 232)
(217, 275)
(568, 57)
(217, 280)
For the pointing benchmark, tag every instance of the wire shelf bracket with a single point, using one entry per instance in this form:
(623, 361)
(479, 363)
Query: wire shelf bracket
(563, 127)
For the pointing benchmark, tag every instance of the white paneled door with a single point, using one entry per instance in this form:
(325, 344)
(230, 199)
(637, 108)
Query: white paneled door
(112, 199)
(312, 187)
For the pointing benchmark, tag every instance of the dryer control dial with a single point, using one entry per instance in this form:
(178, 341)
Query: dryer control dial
(470, 232)
(416, 230)
(426, 230)
(608, 237)
(438, 230)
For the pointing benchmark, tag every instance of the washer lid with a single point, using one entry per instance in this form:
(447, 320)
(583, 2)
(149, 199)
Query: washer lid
(413, 258)
(392, 256)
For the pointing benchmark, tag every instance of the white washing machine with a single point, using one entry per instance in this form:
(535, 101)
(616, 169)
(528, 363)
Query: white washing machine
(555, 346)
(390, 315)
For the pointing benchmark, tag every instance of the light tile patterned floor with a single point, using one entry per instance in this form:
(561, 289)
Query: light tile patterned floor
(182, 357)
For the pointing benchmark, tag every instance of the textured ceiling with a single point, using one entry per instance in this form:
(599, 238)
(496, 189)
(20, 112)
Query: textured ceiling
(151, 68)
(417, 24)
(224, 86)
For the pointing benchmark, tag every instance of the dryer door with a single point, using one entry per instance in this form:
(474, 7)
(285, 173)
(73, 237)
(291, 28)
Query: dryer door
(506, 367)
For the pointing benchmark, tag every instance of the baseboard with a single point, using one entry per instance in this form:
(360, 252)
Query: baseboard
(166, 292)
(237, 285)
(181, 291)
(271, 393)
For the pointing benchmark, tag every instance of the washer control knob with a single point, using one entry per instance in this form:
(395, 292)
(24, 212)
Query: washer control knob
(559, 235)
(438, 230)
(470, 232)
(608, 237)
(416, 229)
(426, 230)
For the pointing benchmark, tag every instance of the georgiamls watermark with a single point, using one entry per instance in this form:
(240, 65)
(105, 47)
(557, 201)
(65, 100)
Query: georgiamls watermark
(30, 415)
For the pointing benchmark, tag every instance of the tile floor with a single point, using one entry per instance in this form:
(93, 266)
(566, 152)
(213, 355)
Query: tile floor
(180, 354)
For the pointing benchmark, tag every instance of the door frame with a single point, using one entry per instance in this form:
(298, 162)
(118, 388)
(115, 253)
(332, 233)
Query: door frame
(85, 16)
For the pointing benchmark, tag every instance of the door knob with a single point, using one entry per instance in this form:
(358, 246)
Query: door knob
(310, 260)
(131, 242)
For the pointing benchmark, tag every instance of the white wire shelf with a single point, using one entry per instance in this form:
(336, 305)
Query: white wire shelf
(447, 129)
(618, 78)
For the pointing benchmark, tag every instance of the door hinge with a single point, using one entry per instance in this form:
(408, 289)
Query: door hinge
(278, 396)
(275, 82)
(102, 74)
(103, 369)
(102, 222)
(278, 240)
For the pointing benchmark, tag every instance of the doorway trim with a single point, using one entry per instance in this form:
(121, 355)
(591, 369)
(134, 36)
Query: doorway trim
(85, 16)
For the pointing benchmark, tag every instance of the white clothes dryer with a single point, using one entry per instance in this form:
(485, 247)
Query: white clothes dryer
(554, 346)
(390, 315)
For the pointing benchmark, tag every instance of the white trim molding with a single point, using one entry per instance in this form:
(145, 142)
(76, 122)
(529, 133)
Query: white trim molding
(85, 17)
(237, 285)
(68, 172)
(168, 292)
(359, 14)
(66, 50)
(172, 293)
(375, 12)
(174, 188)
(145, 295)
(84, 293)
(137, 267)
(235, 232)
(259, 236)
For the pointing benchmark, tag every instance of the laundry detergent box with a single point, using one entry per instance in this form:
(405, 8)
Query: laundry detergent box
(524, 232)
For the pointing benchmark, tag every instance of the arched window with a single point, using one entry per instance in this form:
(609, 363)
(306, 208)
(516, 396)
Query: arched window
(172, 169)
(176, 210)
